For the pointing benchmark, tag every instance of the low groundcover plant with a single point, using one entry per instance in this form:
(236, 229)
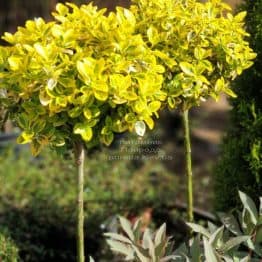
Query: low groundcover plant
(237, 240)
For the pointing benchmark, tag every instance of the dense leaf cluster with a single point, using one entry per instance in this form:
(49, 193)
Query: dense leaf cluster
(202, 46)
(88, 75)
(213, 243)
(240, 166)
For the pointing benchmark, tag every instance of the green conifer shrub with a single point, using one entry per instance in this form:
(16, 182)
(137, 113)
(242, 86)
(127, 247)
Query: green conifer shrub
(240, 166)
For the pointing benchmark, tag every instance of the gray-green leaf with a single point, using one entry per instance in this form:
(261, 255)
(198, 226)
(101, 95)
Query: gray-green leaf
(120, 248)
(118, 237)
(126, 225)
(160, 234)
(231, 243)
(216, 239)
(142, 254)
(209, 252)
(199, 229)
(196, 249)
(230, 223)
(250, 206)
(91, 259)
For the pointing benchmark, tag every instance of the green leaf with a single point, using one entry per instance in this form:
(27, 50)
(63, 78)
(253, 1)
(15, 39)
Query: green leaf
(108, 138)
(86, 69)
(211, 227)
(231, 243)
(171, 102)
(255, 247)
(195, 249)
(84, 130)
(100, 95)
(230, 92)
(51, 83)
(91, 259)
(146, 238)
(23, 121)
(209, 252)
(165, 58)
(36, 147)
(199, 53)
(160, 249)
(140, 128)
(142, 254)
(150, 244)
(9, 38)
(118, 237)
(230, 223)
(137, 230)
(199, 229)
(129, 16)
(25, 137)
(250, 206)
(152, 35)
(130, 118)
(154, 106)
(120, 248)
(160, 234)
(62, 9)
(41, 50)
(245, 259)
(14, 62)
(38, 126)
(187, 68)
(126, 225)
(220, 84)
(240, 16)
(75, 112)
(216, 239)
(87, 113)
(149, 121)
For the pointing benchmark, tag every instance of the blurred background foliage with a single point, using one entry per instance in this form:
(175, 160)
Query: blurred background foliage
(37, 196)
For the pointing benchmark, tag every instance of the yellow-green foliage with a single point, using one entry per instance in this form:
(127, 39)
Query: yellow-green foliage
(85, 73)
(88, 75)
(202, 46)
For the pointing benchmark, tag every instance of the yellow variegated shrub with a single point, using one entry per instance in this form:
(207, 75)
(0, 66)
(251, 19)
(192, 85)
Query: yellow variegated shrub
(85, 75)
(88, 75)
(201, 45)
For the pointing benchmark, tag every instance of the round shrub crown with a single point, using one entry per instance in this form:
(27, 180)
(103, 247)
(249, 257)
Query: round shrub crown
(87, 75)
(201, 45)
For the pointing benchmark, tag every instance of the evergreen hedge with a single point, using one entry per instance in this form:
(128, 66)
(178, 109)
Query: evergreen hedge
(240, 165)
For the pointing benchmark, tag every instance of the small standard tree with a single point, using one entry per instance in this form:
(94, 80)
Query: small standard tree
(202, 47)
(76, 81)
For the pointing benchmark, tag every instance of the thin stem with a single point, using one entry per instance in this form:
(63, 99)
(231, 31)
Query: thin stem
(189, 173)
(80, 157)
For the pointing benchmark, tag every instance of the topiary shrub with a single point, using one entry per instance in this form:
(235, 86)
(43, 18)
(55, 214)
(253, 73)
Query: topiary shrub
(240, 164)
(84, 77)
